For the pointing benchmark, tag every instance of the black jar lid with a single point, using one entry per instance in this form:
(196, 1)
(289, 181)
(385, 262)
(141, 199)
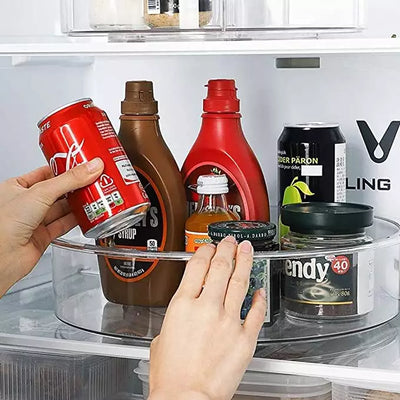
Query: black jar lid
(327, 218)
(254, 231)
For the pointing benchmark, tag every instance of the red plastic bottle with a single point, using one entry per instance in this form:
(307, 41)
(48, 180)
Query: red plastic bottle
(221, 148)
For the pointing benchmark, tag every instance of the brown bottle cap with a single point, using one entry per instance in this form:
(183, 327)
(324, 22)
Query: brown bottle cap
(139, 99)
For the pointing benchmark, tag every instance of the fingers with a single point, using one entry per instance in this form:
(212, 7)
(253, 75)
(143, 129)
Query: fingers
(256, 316)
(57, 210)
(38, 175)
(32, 206)
(50, 190)
(239, 282)
(196, 271)
(220, 271)
(61, 226)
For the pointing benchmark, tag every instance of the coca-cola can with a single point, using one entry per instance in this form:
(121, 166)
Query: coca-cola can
(75, 134)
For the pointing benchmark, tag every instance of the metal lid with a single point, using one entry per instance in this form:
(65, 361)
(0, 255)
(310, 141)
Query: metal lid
(327, 218)
(62, 108)
(253, 231)
(313, 125)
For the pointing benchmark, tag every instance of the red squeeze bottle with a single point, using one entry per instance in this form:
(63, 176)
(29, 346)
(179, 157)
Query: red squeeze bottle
(221, 148)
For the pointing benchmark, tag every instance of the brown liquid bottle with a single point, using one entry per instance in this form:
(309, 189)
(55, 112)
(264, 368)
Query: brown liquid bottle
(147, 282)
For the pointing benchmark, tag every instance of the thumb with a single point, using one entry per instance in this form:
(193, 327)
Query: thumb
(83, 175)
(31, 207)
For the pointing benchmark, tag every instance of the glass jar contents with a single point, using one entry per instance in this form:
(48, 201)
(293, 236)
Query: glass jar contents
(212, 206)
(190, 14)
(335, 285)
(116, 14)
(265, 273)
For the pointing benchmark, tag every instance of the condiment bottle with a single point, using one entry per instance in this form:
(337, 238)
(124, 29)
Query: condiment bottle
(221, 148)
(338, 284)
(265, 273)
(142, 282)
(211, 207)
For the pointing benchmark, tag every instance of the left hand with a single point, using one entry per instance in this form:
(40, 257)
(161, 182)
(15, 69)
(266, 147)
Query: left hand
(32, 214)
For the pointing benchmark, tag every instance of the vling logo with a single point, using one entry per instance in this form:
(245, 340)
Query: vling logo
(378, 151)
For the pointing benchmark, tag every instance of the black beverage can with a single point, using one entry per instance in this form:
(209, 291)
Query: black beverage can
(311, 164)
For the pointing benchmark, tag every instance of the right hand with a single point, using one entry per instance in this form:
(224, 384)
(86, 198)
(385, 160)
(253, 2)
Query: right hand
(204, 349)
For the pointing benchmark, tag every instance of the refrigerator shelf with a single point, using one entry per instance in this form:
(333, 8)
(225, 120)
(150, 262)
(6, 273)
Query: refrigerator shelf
(78, 47)
(80, 301)
(28, 324)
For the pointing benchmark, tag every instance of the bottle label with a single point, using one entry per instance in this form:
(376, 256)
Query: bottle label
(334, 285)
(149, 234)
(193, 240)
(236, 200)
(311, 172)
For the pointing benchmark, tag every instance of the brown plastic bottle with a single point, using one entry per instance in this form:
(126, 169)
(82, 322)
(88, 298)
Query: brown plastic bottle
(147, 283)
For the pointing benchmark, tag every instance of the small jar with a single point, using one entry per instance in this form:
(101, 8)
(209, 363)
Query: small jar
(265, 273)
(336, 285)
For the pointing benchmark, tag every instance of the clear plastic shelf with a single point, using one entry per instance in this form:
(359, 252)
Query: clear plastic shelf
(80, 301)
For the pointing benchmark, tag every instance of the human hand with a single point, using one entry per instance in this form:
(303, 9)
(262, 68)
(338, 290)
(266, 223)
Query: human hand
(32, 215)
(204, 349)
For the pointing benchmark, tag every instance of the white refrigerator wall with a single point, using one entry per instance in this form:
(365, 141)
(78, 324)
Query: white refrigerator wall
(346, 89)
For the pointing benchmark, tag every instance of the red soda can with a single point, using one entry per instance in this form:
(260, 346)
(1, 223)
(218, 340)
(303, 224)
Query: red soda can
(77, 133)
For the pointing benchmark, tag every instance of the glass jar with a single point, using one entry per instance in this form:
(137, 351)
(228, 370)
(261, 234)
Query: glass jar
(265, 273)
(212, 206)
(332, 286)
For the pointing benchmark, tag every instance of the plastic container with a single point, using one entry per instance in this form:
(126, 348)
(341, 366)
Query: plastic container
(40, 274)
(352, 392)
(79, 299)
(128, 20)
(264, 386)
(116, 14)
(62, 376)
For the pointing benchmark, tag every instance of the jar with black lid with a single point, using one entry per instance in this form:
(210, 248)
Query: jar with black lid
(335, 285)
(265, 273)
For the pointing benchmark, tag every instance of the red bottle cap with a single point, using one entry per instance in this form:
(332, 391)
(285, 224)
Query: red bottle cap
(221, 97)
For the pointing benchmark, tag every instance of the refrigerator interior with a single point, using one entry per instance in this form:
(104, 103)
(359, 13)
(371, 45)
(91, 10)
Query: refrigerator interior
(341, 85)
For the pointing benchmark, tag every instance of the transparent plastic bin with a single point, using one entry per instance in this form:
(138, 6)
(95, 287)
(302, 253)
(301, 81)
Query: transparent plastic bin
(40, 274)
(28, 375)
(83, 17)
(351, 392)
(139, 20)
(80, 301)
(263, 386)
